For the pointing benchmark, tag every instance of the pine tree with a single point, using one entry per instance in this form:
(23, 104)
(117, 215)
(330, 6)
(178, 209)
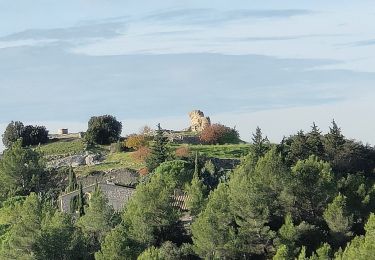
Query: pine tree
(22, 236)
(335, 135)
(312, 186)
(315, 143)
(334, 140)
(322, 253)
(260, 144)
(361, 247)
(299, 148)
(282, 253)
(302, 254)
(338, 219)
(21, 170)
(213, 237)
(196, 194)
(118, 245)
(56, 240)
(97, 221)
(150, 212)
(159, 150)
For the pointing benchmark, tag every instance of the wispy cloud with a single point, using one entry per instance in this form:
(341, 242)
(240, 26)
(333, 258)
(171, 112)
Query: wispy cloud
(362, 43)
(133, 85)
(101, 30)
(212, 16)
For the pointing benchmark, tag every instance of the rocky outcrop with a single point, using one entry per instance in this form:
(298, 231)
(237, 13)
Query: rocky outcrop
(198, 122)
(122, 176)
(93, 159)
(76, 160)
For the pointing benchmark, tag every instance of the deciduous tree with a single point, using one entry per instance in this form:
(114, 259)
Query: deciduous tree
(103, 130)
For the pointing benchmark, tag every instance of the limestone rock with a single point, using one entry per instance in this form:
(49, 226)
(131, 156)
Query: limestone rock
(198, 122)
(92, 159)
(75, 160)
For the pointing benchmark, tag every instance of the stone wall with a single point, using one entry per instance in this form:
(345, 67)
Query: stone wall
(117, 195)
(225, 164)
(125, 177)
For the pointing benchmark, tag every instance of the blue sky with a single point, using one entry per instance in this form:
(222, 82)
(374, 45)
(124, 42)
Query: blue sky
(277, 64)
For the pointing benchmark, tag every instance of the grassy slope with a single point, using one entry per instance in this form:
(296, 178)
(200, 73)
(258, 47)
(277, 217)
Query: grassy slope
(227, 151)
(66, 147)
(63, 147)
(113, 161)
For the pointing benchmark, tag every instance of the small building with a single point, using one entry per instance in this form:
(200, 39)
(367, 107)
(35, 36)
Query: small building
(63, 131)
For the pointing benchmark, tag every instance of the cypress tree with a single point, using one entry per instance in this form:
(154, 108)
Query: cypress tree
(196, 167)
(159, 150)
(72, 181)
(81, 201)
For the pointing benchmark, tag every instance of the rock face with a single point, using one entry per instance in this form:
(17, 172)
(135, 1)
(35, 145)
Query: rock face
(76, 160)
(93, 159)
(198, 122)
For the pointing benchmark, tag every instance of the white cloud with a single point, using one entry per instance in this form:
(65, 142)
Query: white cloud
(320, 35)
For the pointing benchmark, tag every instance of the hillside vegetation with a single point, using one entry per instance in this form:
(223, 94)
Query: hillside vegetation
(311, 196)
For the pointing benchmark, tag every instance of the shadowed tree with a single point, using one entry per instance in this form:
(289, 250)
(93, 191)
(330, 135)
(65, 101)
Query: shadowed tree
(260, 144)
(159, 150)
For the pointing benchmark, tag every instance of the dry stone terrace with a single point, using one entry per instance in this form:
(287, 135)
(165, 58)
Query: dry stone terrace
(117, 195)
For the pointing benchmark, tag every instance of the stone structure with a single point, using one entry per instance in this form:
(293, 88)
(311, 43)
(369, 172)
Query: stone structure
(63, 131)
(198, 122)
(117, 195)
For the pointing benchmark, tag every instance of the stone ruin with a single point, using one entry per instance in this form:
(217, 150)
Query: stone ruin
(198, 122)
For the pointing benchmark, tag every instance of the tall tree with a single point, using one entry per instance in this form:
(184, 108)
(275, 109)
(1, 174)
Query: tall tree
(334, 140)
(213, 232)
(72, 181)
(81, 201)
(118, 245)
(103, 130)
(72, 186)
(13, 132)
(159, 150)
(361, 247)
(338, 219)
(260, 144)
(312, 187)
(254, 202)
(150, 212)
(97, 221)
(20, 170)
(196, 192)
(57, 238)
(20, 240)
(315, 142)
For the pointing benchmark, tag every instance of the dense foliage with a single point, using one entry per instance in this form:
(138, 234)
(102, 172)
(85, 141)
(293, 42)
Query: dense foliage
(136, 141)
(30, 135)
(219, 134)
(310, 197)
(159, 150)
(103, 130)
